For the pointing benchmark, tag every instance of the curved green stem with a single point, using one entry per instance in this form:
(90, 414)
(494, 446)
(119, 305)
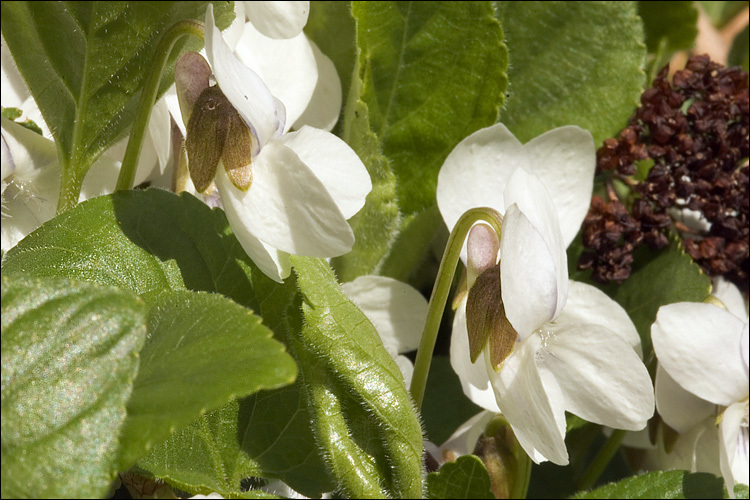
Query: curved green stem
(148, 98)
(441, 290)
(602, 459)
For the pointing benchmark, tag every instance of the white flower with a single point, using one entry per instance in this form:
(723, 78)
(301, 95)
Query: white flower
(305, 184)
(397, 311)
(703, 363)
(576, 349)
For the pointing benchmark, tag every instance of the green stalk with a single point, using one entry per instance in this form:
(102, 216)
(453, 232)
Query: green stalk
(602, 459)
(441, 290)
(148, 98)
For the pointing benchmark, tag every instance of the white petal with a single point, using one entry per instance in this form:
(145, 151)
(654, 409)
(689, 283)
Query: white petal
(406, 367)
(603, 379)
(698, 345)
(287, 67)
(278, 19)
(734, 443)
(233, 33)
(14, 89)
(744, 347)
(397, 310)
(336, 165)
(730, 296)
(565, 160)
(473, 376)
(270, 261)
(245, 90)
(532, 405)
(680, 409)
(287, 207)
(529, 274)
(476, 172)
(588, 304)
(464, 439)
(324, 107)
(694, 451)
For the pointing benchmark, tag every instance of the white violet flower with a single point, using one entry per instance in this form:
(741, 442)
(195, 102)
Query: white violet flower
(571, 347)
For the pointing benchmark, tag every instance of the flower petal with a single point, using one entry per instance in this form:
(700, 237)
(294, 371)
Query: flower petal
(336, 165)
(698, 345)
(246, 91)
(324, 107)
(287, 207)
(532, 403)
(476, 172)
(588, 304)
(565, 160)
(733, 444)
(473, 376)
(272, 262)
(464, 439)
(603, 379)
(694, 451)
(728, 293)
(287, 67)
(680, 409)
(529, 273)
(397, 310)
(278, 19)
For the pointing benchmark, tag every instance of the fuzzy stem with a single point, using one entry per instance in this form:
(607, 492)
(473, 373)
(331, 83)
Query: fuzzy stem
(441, 290)
(148, 98)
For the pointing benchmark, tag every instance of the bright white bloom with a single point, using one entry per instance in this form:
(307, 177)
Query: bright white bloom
(397, 311)
(305, 184)
(576, 350)
(279, 20)
(703, 363)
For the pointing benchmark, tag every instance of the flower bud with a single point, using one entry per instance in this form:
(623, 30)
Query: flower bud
(505, 459)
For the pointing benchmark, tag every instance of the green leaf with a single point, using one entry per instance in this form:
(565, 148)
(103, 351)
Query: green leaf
(722, 12)
(661, 484)
(675, 24)
(741, 491)
(672, 276)
(432, 73)
(160, 246)
(85, 64)
(69, 356)
(363, 415)
(203, 351)
(467, 477)
(445, 407)
(738, 55)
(572, 63)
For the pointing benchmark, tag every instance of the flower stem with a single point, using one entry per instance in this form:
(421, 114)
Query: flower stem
(602, 459)
(441, 290)
(148, 98)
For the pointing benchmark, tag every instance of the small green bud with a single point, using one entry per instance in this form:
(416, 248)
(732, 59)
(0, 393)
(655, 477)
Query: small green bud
(507, 463)
(486, 320)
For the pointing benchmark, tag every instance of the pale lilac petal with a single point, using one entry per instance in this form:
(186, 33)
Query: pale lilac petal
(287, 67)
(734, 443)
(473, 376)
(588, 304)
(698, 345)
(565, 160)
(336, 165)
(324, 107)
(397, 310)
(287, 207)
(278, 19)
(246, 91)
(680, 409)
(532, 403)
(530, 286)
(602, 378)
